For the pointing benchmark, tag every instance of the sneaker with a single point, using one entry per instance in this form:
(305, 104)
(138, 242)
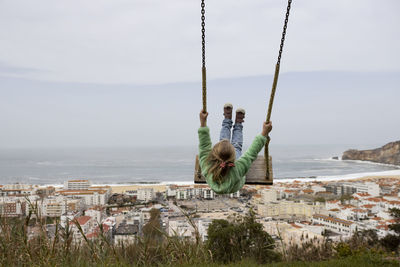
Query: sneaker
(228, 111)
(240, 114)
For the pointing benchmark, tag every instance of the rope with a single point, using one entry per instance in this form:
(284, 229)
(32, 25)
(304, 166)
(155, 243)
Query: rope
(203, 54)
(273, 90)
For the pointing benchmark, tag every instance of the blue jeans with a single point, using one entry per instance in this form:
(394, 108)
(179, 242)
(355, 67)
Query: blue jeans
(237, 135)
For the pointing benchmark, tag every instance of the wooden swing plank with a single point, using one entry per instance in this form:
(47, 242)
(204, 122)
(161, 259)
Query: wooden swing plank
(255, 175)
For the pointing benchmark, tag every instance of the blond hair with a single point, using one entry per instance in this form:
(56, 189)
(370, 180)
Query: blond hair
(220, 160)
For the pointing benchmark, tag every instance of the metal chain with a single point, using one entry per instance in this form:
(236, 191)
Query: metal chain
(284, 31)
(203, 54)
(203, 33)
(268, 174)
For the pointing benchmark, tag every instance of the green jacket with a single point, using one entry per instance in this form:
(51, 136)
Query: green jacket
(235, 179)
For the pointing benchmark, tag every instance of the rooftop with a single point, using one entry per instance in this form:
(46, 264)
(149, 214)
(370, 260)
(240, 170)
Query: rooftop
(81, 220)
(127, 229)
(320, 216)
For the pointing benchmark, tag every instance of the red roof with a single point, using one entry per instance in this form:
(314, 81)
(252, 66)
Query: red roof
(295, 225)
(289, 191)
(374, 199)
(382, 227)
(369, 206)
(96, 231)
(363, 194)
(359, 210)
(308, 191)
(81, 220)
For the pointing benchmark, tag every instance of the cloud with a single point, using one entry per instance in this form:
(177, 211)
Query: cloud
(149, 41)
(309, 108)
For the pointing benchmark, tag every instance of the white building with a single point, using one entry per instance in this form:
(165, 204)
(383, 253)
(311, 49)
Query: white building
(334, 224)
(268, 195)
(171, 191)
(318, 188)
(54, 207)
(181, 228)
(17, 190)
(125, 234)
(96, 215)
(332, 204)
(77, 185)
(145, 194)
(235, 195)
(293, 233)
(364, 187)
(289, 209)
(17, 186)
(181, 194)
(86, 223)
(10, 207)
(202, 226)
(208, 193)
(90, 197)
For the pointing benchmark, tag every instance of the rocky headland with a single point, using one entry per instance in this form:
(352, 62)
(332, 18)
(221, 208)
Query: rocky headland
(388, 154)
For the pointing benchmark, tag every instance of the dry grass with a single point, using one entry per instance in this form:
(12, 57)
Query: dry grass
(18, 247)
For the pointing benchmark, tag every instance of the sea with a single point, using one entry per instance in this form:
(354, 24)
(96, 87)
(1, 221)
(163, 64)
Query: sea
(142, 165)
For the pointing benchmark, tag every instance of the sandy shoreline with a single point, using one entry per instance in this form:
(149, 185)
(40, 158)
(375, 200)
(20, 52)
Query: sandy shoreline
(120, 189)
(374, 178)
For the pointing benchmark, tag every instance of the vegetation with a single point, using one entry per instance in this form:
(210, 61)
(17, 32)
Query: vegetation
(240, 241)
(345, 198)
(392, 241)
(320, 199)
(241, 238)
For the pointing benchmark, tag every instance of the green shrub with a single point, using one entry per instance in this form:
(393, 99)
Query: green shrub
(240, 238)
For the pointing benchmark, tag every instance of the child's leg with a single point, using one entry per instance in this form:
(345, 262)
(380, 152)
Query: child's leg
(237, 139)
(226, 130)
(226, 123)
(237, 135)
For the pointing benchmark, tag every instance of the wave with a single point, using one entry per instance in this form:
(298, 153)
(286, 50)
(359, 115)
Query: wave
(358, 161)
(341, 177)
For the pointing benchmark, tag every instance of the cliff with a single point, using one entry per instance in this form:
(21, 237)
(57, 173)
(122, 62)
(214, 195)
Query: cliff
(388, 154)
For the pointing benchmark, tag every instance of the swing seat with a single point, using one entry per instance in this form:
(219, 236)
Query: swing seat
(255, 175)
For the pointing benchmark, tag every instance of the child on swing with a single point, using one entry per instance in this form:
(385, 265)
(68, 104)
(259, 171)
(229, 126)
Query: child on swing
(223, 165)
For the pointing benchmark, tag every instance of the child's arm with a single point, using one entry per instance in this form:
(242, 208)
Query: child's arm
(203, 118)
(243, 164)
(204, 139)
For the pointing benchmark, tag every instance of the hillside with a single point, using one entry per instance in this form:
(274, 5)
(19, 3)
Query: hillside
(387, 154)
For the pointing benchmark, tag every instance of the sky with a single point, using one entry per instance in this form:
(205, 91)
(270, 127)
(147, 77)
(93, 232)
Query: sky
(128, 72)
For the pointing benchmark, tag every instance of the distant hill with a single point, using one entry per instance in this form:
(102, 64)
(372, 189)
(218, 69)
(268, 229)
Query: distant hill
(388, 154)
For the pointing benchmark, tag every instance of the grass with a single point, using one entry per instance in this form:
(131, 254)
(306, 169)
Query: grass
(18, 248)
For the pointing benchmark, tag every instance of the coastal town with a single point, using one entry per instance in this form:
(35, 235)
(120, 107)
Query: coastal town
(291, 212)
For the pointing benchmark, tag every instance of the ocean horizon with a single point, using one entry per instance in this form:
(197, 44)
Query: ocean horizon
(154, 165)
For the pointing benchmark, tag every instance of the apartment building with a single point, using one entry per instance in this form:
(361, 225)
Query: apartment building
(145, 194)
(334, 224)
(289, 210)
(77, 185)
(181, 228)
(12, 208)
(348, 188)
(268, 196)
(90, 197)
(54, 207)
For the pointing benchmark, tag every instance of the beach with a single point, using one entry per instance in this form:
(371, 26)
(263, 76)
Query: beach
(121, 189)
